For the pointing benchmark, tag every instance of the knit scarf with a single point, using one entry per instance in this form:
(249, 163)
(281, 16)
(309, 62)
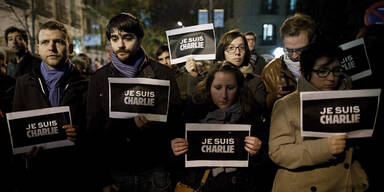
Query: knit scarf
(52, 77)
(128, 69)
(231, 114)
(294, 67)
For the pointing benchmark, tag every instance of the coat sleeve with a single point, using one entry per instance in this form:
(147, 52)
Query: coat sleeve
(286, 146)
(18, 96)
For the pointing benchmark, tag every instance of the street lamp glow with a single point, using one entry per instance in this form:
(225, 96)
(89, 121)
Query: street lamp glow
(278, 52)
(180, 24)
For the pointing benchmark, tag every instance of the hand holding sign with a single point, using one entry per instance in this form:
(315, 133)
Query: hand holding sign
(141, 121)
(70, 130)
(179, 146)
(336, 144)
(252, 145)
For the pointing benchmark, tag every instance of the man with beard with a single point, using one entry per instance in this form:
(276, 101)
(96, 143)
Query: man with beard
(20, 60)
(280, 75)
(129, 154)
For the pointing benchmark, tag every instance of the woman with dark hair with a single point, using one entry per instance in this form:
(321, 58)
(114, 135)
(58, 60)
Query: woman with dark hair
(309, 164)
(223, 98)
(233, 47)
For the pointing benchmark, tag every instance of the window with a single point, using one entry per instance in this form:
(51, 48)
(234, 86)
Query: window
(75, 17)
(269, 35)
(18, 3)
(268, 7)
(44, 8)
(61, 11)
(291, 7)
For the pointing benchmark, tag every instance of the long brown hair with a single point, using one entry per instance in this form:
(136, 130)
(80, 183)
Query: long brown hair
(202, 94)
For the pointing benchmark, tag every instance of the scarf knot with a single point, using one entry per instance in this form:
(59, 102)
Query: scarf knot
(52, 78)
(128, 70)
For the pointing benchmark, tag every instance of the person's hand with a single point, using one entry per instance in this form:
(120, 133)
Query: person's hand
(111, 188)
(179, 146)
(190, 66)
(252, 145)
(33, 152)
(336, 144)
(141, 121)
(70, 130)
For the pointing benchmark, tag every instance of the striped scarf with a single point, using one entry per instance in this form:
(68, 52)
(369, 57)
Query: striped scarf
(128, 70)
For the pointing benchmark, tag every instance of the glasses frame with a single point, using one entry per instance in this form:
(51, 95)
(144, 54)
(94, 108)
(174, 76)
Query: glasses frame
(234, 50)
(326, 72)
(298, 50)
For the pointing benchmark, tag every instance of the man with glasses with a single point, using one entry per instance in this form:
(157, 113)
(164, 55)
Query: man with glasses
(256, 61)
(280, 75)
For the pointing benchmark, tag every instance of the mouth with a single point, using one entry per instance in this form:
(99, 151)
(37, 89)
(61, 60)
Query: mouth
(330, 86)
(53, 56)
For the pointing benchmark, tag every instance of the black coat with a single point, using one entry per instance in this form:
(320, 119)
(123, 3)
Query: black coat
(53, 166)
(258, 176)
(27, 64)
(119, 145)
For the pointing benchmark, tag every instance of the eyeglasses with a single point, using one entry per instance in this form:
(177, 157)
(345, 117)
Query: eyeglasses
(323, 73)
(298, 50)
(232, 49)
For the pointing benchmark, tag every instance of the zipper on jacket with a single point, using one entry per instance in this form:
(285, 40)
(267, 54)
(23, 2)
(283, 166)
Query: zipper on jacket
(41, 86)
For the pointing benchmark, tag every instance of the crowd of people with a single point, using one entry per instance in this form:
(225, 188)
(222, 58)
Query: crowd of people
(239, 87)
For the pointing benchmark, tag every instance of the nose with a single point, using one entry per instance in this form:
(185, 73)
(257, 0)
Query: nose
(52, 46)
(237, 51)
(168, 62)
(120, 43)
(331, 76)
(224, 93)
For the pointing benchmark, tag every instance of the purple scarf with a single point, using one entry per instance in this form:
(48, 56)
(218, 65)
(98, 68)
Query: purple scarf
(129, 69)
(52, 77)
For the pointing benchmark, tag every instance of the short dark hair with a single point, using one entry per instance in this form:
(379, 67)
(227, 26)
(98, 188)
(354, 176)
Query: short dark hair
(125, 22)
(161, 49)
(13, 29)
(226, 40)
(251, 33)
(54, 25)
(315, 51)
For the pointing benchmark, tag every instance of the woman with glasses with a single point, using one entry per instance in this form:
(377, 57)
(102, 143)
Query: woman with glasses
(223, 98)
(309, 164)
(233, 47)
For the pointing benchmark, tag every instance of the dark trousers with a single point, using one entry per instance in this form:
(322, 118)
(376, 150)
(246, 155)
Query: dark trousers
(156, 180)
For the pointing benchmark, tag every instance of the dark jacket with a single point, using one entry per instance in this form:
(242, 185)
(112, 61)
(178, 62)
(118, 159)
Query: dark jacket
(53, 166)
(118, 144)
(7, 87)
(257, 62)
(256, 177)
(26, 65)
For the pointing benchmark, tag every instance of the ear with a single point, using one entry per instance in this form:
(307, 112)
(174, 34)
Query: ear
(70, 49)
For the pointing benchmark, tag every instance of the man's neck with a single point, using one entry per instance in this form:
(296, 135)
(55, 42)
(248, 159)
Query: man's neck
(20, 56)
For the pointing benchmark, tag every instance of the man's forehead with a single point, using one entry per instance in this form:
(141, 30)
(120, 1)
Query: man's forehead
(120, 32)
(15, 33)
(51, 34)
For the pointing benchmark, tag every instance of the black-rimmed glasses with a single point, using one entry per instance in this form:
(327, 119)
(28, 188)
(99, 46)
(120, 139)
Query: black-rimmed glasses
(298, 50)
(323, 73)
(232, 49)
